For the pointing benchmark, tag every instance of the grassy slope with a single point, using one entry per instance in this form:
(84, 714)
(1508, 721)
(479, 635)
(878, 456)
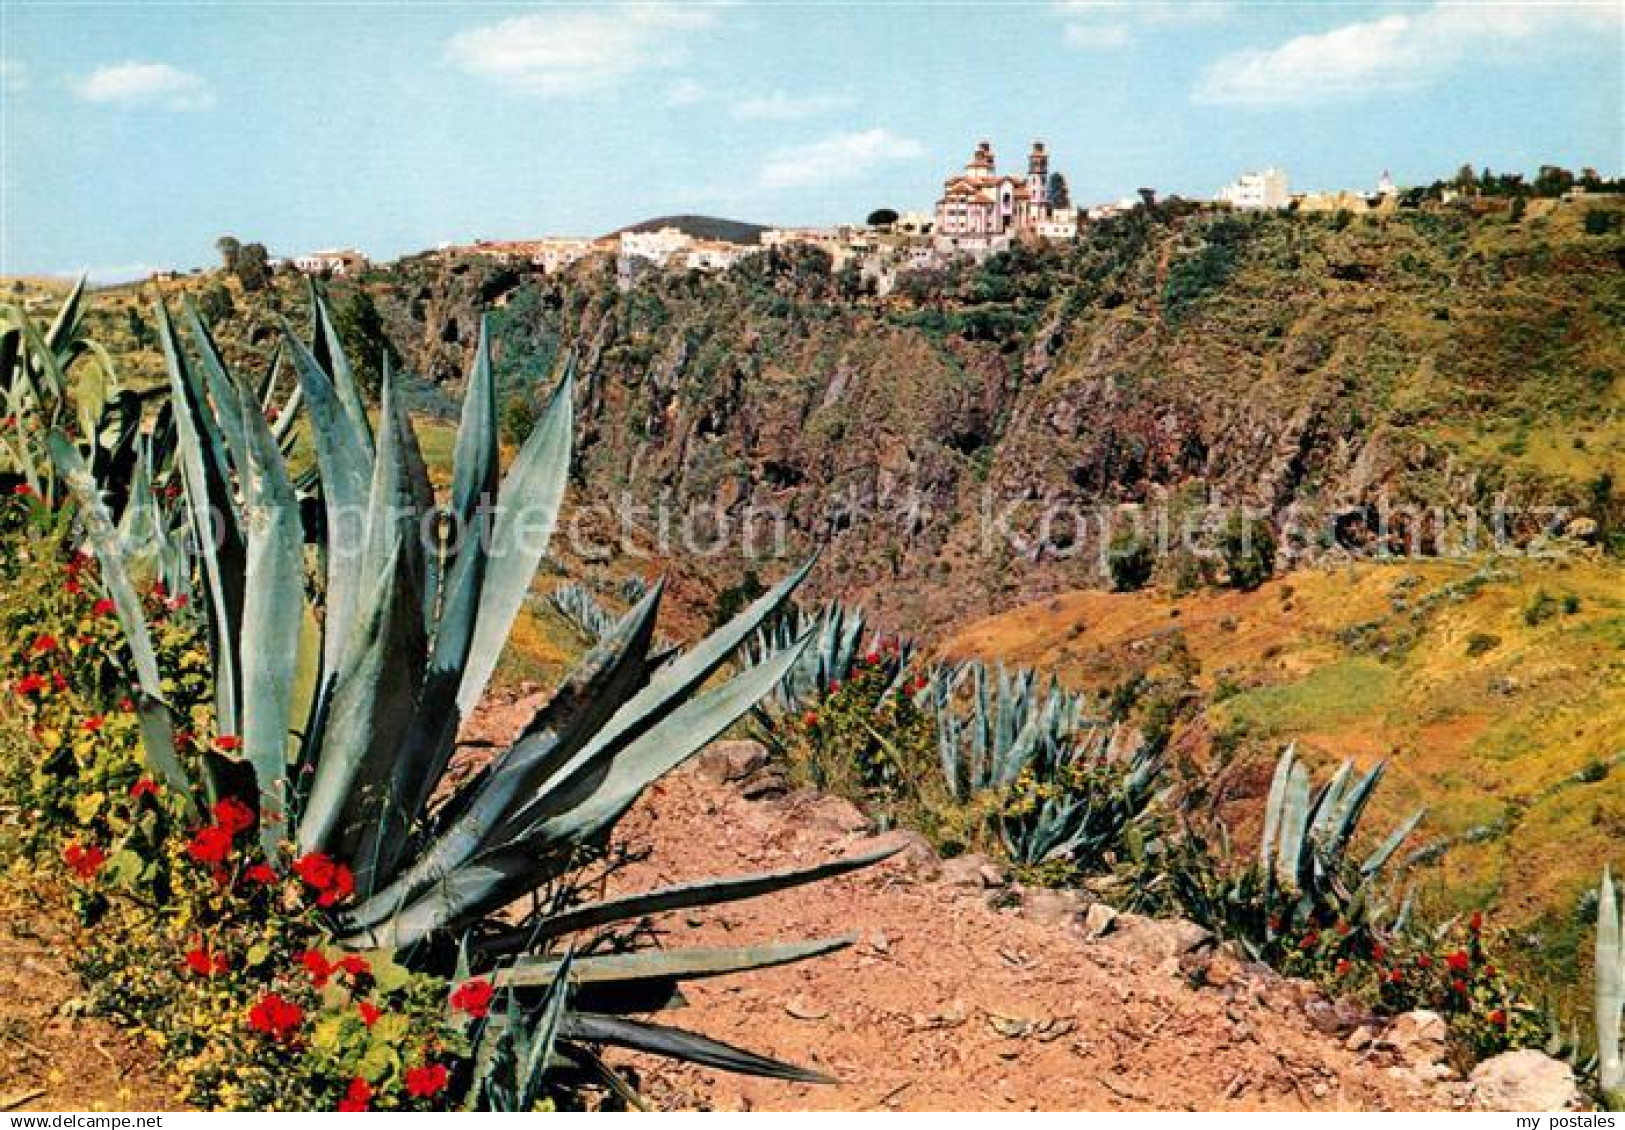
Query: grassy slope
(1373, 661)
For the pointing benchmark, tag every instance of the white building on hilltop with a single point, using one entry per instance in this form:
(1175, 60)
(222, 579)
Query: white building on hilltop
(1257, 192)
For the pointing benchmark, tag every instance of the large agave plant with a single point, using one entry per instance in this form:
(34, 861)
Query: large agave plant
(1303, 870)
(347, 699)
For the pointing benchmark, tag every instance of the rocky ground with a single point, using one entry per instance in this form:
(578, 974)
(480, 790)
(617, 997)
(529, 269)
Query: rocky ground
(964, 991)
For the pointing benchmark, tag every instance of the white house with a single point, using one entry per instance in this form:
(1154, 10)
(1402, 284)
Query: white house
(336, 261)
(1256, 192)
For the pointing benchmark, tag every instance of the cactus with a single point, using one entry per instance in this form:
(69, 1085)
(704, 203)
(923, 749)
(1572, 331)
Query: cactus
(348, 703)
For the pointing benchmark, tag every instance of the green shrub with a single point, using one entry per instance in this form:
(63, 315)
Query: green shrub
(1248, 548)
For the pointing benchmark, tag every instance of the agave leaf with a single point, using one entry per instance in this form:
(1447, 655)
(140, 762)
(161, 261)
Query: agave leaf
(1295, 814)
(474, 460)
(1379, 858)
(157, 739)
(213, 512)
(273, 613)
(66, 324)
(675, 1043)
(344, 458)
(535, 488)
(681, 896)
(1610, 985)
(1273, 808)
(330, 350)
(668, 965)
(228, 411)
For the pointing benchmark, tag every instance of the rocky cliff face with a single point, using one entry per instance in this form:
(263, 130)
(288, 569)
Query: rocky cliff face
(957, 448)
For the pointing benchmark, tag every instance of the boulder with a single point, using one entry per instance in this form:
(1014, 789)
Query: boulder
(1098, 920)
(731, 761)
(1524, 1080)
(834, 814)
(973, 871)
(916, 856)
(1053, 908)
(1156, 940)
(1416, 1038)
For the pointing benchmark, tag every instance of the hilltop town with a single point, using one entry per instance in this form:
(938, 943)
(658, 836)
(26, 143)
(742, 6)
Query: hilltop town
(980, 211)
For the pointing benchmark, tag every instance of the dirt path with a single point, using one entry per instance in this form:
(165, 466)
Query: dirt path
(51, 1058)
(949, 1003)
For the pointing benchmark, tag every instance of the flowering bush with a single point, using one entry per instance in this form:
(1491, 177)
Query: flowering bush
(193, 938)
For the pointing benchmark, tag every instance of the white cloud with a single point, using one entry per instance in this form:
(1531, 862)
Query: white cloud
(13, 76)
(150, 84)
(574, 51)
(1398, 51)
(837, 159)
(782, 107)
(1106, 24)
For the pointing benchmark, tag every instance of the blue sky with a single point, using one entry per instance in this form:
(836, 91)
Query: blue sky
(134, 134)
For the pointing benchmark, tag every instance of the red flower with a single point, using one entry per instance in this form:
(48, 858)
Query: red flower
(872, 658)
(1459, 962)
(260, 873)
(473, 997)
(275, 1017)
(1459, 986)
(1343, 967)
(226, 743)
(1423, 961)
(426, 1082)
(126, 705)
(319, 968)
(44, 644)
(102, 607)
(353, 964)
(315, 869)
(1498, 1018)
(72, 588)
(835, 687)
(30, 684)
(369, 1012)
(94, 722)
(1396, 975)
(809, 719)
(1378, 950)
(1476, 922)
(146, 786)
(343, 886)
(177, 602)
(205, 964)
(233, 815)
(84, 861)
(1343, 929)
(334, 882)
(1310, 941)
(58, 681)
(210, 845)
(357, 1096)
(23, 490)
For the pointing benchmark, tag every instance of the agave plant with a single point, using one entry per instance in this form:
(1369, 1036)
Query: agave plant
(1303, 871)
(836, 647)
(347, 700)
(47, 389)
(582, 611)
(1081, 802)
(1009, 725)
